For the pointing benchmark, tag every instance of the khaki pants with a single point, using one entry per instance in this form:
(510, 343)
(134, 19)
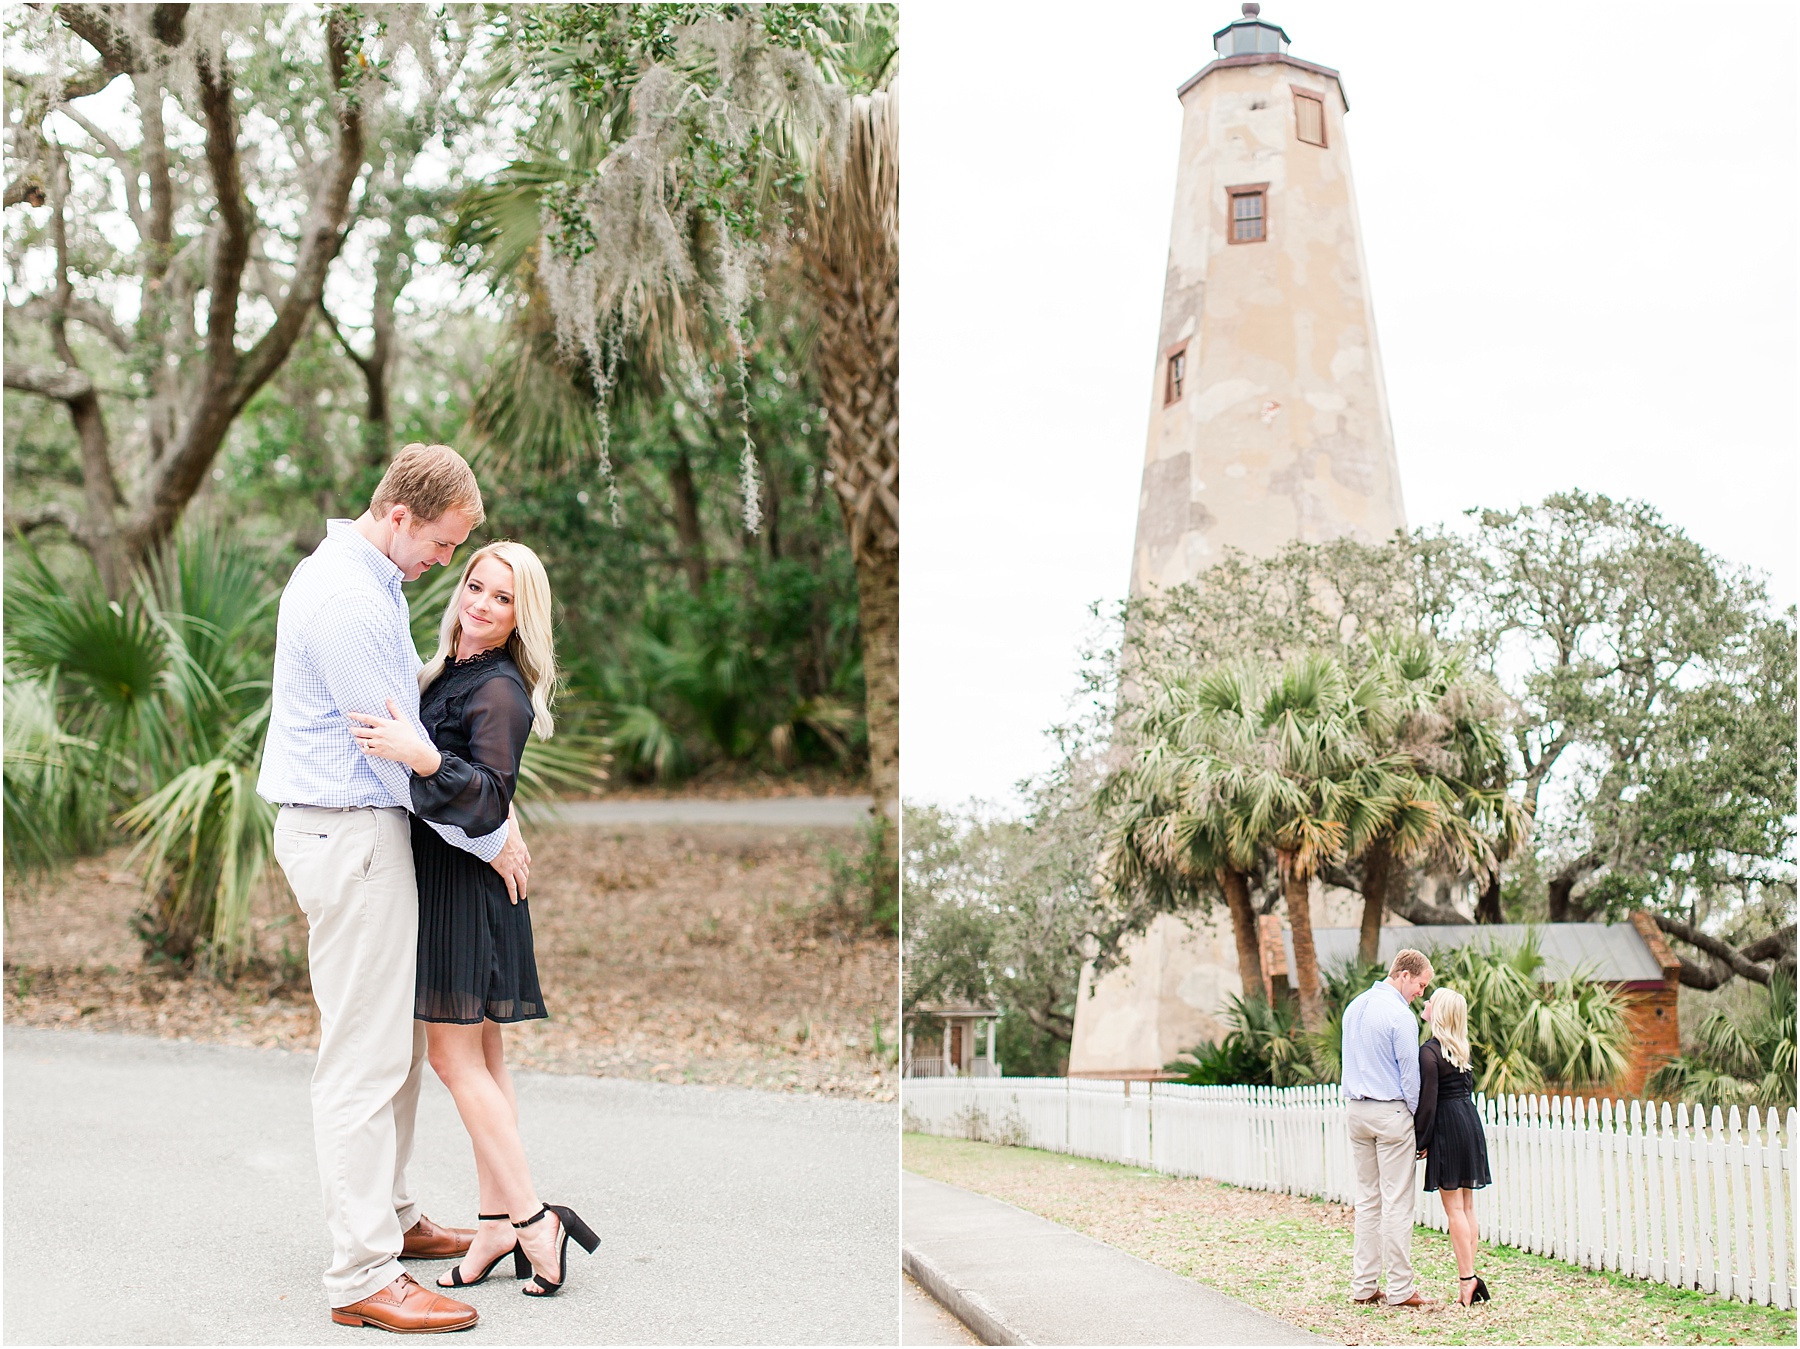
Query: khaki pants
(352, 871)
(1382, 1153)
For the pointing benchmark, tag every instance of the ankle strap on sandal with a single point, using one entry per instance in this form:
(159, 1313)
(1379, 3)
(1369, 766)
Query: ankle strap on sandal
(1464, 1278)
(493, 1217)
(534, 1217)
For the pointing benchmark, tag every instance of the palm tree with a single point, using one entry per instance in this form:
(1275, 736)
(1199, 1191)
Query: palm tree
(167, 692)
(1167, 839)
(678, 157)
(1445, 722)
(1525, 1033)
(1282, 760)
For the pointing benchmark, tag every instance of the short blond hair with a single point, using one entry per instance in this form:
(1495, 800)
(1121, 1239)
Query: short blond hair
(1409, 961)
(429, 480)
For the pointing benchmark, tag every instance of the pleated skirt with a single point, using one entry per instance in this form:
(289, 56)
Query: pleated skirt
(1457, 1159)
(476, 961)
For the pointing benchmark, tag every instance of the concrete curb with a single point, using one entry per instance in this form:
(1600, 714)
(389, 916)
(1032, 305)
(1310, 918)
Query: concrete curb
(965, 1304)
(1012, 1276)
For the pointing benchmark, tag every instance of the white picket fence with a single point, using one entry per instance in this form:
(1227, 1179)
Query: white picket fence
(1694, 1202)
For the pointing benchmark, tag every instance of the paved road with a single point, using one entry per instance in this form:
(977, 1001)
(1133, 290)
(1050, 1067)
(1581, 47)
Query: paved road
(165, 1193)
(775, 811)
(1015, 1278)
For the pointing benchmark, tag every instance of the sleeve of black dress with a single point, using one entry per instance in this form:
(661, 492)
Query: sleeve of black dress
(1426, 1115)
(476, 792)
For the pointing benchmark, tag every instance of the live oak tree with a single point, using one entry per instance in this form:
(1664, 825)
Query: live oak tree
(1656, 742)
(228, 246)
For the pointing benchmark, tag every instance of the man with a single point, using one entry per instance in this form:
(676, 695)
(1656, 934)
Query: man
(343, 644)
(1381, 1093)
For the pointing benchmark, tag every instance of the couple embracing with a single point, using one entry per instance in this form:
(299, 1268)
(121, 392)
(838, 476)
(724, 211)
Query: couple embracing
(1407, 1101)
(397, 833)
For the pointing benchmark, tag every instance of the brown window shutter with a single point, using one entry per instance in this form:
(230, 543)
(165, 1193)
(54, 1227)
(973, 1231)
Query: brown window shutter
(1309, 118)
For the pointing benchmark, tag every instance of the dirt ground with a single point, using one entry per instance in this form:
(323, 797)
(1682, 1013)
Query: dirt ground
(675, 953)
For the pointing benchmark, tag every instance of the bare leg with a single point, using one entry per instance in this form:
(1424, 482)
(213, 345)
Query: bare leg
(493, 1052)
(460, 1055)
(1460, 1210)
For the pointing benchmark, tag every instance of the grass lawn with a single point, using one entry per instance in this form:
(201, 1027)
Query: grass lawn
(1290, 1257)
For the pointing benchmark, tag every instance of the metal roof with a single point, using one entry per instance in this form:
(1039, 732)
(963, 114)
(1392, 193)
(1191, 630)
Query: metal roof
(1614, 952)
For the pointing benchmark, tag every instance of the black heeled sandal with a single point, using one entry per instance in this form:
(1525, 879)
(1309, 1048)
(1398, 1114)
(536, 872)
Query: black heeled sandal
(1481, 1289)
(521, 1266)
(572, 1226)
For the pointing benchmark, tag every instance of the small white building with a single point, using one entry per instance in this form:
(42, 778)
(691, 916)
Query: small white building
(941, 1040)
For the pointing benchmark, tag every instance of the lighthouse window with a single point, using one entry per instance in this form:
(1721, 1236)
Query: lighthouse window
(1309, 117)
(1247, 225)
(1176, 377)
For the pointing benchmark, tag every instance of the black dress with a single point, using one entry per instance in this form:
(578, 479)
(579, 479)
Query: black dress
(475, 957)
(1447, 1124)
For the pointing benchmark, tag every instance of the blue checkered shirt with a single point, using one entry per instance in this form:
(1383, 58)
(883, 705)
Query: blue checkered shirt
(343, 643)
(1381, 1047)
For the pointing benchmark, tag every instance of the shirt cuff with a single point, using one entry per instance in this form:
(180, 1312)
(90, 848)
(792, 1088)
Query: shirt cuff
(488, 846)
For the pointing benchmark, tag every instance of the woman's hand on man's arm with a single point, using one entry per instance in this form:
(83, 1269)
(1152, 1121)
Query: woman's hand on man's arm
(394, 739)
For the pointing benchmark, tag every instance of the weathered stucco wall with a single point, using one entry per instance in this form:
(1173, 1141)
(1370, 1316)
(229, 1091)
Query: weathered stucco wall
(1168, 996)
(1281, 433)
(1282, 429)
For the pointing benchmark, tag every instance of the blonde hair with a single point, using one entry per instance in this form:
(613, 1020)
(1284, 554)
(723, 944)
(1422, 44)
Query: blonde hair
(1449, 1017)
(531, 645)
(429, 480)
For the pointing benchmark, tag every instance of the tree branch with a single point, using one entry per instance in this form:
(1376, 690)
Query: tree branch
(231, 380)
(362, 362)
(65, 385)
(322, 232)
(1772, 947)
(134, 206)
(81, 310)
(25, 188)
(27, 522)
(1424, 912)
(119, 51)
(1730, 956)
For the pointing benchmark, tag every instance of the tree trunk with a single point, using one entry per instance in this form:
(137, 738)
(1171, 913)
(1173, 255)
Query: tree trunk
(1378, 864)
(1243, 928)
(1297, 890)
(853, 264)
(878, 595)
(687, 520)
(1487, 910)
(1563, 906)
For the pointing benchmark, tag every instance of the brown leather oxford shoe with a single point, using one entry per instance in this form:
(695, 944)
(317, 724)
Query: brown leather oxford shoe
(1368, 1301)
(406, 1308)
(425, 1240)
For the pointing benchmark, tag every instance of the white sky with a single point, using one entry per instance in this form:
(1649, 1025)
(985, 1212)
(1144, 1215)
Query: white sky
(1580, 228)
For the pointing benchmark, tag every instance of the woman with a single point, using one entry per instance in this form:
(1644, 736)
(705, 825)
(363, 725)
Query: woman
(1449, 1132)
(487, 688)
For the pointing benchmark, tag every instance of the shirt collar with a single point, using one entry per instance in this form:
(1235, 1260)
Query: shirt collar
(346, 535)
(1383, 983)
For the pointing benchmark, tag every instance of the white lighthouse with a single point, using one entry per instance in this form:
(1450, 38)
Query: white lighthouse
(1268, 423)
